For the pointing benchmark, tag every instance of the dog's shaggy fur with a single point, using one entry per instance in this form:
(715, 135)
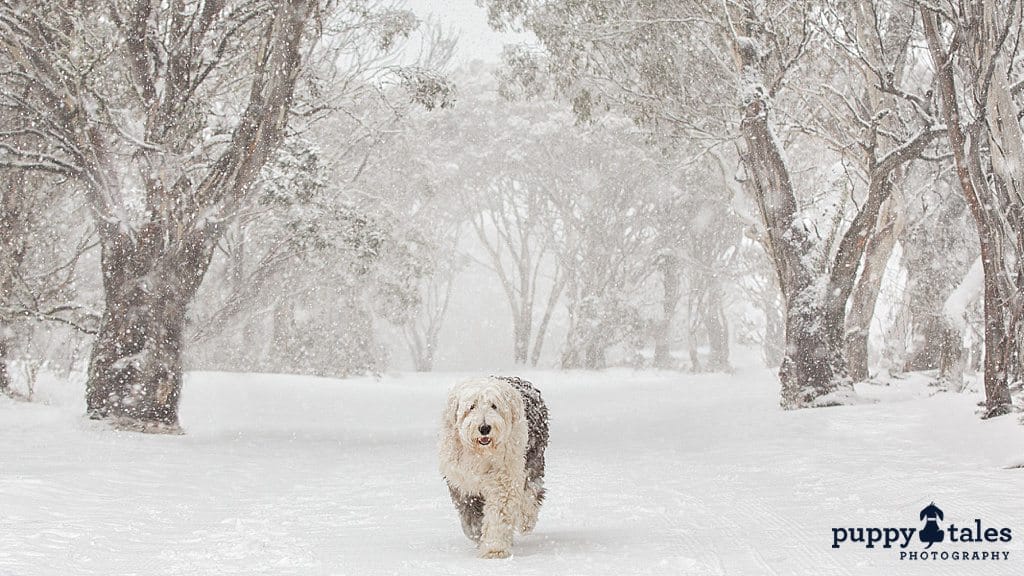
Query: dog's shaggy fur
(493, 435)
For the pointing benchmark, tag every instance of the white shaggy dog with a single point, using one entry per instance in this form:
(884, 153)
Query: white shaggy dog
(493, 437)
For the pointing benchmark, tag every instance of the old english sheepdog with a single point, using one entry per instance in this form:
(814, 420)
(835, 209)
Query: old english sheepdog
(493, 437)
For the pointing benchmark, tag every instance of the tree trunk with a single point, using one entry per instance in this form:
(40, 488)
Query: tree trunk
(718, 330)
(522, 326)
(574, 355)
(595, 357)
(5, 377)
(939, 346)
(977, 352)
(932, 289)
(668, 264)
(414, 343)
(421, 346)
(584, 346)
(542, 329)
(426, 363)
(865, 293)
(135, 370)
(977, 190)
(951, 358)
(695, 311)
(13, 244)
(813, 365)
(1006, 148)
(999, 346)
(583, 351)
(694, 352)
(424, 360)
(773, 348)
(931, 334)
(281, 352)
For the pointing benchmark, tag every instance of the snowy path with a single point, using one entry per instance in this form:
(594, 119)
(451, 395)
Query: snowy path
(649, 473)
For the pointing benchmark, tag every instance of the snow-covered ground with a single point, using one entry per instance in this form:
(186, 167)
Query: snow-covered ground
(648, 473)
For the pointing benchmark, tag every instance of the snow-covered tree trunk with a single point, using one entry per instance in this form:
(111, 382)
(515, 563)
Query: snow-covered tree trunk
(671, 283)
(816, 297)
(12, 253)
(152, 270)
(717, 329)
(937, 255)
(549, 308)
(281, 344)
(162, 171)
(773, 348)
(924, 341)
(813, 365)
(510, 224)
(944, 330)
(583, 349)
(1006, 147)
(135, 370)
(5, 376)
(707, 322)
(883, 174)
(865, 293)
(994, 197)
(522, 330)
(423, 330)
(933, 336)
(951, 358)
(421, 350)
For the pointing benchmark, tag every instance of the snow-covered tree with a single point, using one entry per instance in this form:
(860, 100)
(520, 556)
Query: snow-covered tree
(422, 321)
(973, 48)
(939, 244)
(40, 253)
(167, 113)
(605, 206)
(332, 210)
(498, 165)
(753, 58)
(879, 120)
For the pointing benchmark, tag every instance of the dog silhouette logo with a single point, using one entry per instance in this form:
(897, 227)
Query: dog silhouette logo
(931, 533)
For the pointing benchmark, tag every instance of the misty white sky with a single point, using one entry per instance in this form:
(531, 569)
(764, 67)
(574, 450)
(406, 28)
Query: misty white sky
(476, 39)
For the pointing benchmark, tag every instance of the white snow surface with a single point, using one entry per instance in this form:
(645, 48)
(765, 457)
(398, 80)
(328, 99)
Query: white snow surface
(648, 473)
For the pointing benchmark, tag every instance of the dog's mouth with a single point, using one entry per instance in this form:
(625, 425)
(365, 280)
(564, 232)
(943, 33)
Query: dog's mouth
(484, 440)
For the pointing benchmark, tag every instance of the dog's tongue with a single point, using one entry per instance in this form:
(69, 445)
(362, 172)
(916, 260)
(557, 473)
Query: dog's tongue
(484, 441)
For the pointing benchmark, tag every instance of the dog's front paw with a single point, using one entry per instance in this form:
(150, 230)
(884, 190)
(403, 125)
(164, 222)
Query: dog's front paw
(495, 554)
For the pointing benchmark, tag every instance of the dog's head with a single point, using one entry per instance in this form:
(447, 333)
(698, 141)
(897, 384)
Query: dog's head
(484, 413)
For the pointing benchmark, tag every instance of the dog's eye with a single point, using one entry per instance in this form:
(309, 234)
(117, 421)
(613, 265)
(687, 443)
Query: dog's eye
(493, 407)
(472, 406)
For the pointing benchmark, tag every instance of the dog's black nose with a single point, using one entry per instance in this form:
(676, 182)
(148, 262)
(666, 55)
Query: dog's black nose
(485, 429)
